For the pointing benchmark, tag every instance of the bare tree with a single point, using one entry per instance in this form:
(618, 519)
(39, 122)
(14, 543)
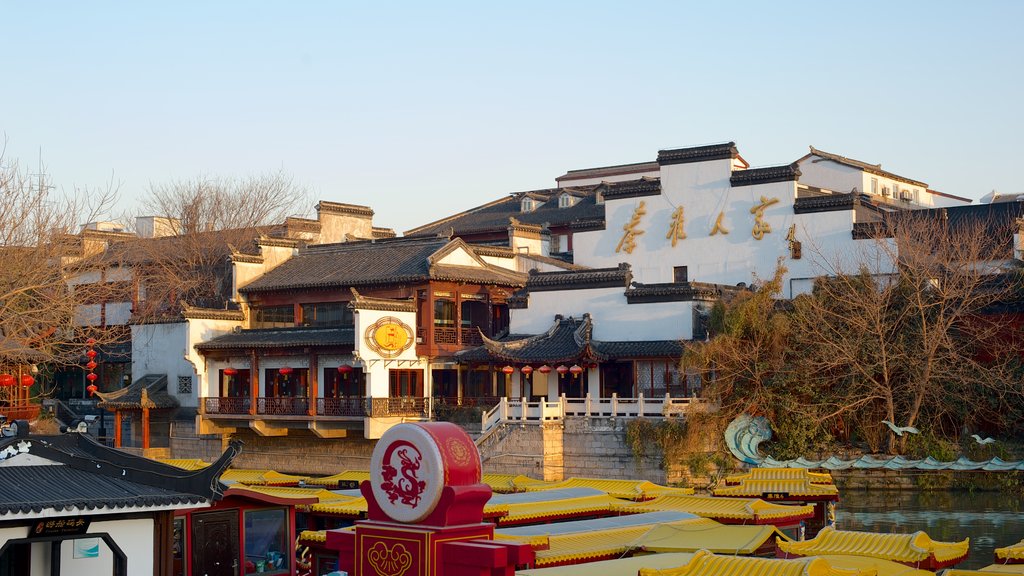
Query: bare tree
(205, 220)
(917, 342)
(42, 318)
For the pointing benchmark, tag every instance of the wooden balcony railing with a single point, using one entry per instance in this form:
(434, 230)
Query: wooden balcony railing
(227, 405)
(409, 407)
(347, 406)
(286, 406)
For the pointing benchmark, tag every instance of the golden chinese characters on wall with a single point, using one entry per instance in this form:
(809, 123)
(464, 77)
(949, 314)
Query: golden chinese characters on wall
(628, 241)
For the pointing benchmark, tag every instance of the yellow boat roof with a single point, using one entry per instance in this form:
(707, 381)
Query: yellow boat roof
(291, 492)
(185, 463)
(687, 535)
(629, 566)
(350, 507)
(334, 479)
(313, 535)
(627, 489)
(705, 563)
(626, 566)
(1011, 552)
(790, 487)
(990, 569)
(552, 509)
(780, 474)
(259, 477)
(916, 547)
(750, 509)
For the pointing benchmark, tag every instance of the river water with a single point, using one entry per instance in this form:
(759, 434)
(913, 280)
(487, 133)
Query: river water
(991, 520)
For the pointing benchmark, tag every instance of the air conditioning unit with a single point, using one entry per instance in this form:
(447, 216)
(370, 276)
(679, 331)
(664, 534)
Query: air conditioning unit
(906, 195)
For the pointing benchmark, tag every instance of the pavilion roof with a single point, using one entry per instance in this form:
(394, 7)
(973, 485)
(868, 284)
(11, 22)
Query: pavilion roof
(150, 392)
(917, 548)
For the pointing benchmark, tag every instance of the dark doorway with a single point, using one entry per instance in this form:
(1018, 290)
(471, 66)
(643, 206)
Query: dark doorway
(617, 378)
(16, 560)
(445, 384)
(215, 543)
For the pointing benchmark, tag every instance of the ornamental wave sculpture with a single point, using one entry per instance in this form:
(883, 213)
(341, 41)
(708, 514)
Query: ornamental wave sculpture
(745, 433)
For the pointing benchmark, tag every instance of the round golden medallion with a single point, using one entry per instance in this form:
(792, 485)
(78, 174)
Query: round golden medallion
(389, 337)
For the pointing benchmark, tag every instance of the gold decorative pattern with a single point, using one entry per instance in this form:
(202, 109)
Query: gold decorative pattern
(628, 241)
(760, 226)
(393, 561)
(388, 337)
(718, 225)
(458, 451)
(676, 231)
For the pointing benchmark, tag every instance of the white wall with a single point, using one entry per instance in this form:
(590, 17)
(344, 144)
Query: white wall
(613, 318)
(134, 537)
(160, 349)
(197, 331)
(831, 175)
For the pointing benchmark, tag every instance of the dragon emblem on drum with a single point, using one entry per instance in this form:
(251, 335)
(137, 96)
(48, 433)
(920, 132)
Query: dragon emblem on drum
(400, 472)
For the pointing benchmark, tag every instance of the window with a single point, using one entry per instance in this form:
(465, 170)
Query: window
(347, 385)
(559, 243)
(291, 385)
(266, 541)
(235, 385)
(444, 313)
(327, 314)
(917, 196)
(271, 316)
(406, 383)
(528, 205)
(565, 201)
(874, 185)
(679, 274)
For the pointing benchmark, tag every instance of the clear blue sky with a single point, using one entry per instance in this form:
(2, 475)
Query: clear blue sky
(424, 109)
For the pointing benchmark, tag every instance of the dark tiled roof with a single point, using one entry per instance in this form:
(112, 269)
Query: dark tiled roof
(35, 488)
(568, 340)
(360, 302)
(300, 337)
(673, 292)
(766, 175)
(631, 188)
(605, 171)
(642, 349)
(189, 311)
(341, 208)
(618, 277)
(869, 168)
(495, 216)
(91, 476)
(150, 391)
(830, 203)
(697, 154)
(373, 263)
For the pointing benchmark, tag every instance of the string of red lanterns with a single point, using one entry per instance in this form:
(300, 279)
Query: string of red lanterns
(91, 365)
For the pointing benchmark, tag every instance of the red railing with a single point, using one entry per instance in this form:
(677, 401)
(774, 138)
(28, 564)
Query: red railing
(348, 406)
(415, 407)
(286, 406)
(227, 405)
(20, 412)
(446, 335)
(471, 337)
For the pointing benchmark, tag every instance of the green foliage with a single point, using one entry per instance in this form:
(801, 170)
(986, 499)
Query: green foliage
(646, 437)
(928, 443)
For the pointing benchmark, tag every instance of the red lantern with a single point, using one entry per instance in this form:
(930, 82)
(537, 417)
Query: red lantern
(286, 370)
(91, 365)
(91, 377)
(545, 369)
(576, 370)
(344, 369)
(508, 370)
(562, 369)
(91, 388)
(230, 371)
(91, 354)
(90, 342)
(6, 380)
(27, 380)
(526, 370)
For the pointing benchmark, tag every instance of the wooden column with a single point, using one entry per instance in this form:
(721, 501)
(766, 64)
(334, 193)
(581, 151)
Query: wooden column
(254, 382)
(314, 383)
(163, 544)
(117, 428)
(145, 428)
